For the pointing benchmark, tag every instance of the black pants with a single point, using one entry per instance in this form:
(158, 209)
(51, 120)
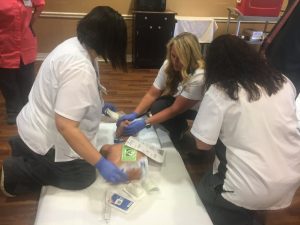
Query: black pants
(15, 85)
(26, 171)
(221, 211)
(210, 188)
(176, 125)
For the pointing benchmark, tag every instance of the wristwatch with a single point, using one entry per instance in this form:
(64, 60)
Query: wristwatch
(148, 125)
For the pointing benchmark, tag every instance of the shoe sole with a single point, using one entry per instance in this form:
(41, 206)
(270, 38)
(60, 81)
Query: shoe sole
(2, 185)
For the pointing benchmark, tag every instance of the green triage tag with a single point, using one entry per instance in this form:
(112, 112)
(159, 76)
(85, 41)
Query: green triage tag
(128, 154)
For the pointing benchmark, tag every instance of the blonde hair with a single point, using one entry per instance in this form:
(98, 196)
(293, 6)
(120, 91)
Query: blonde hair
(189, 54)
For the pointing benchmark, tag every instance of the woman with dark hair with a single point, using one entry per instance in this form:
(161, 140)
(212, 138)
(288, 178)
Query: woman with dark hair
(64, 111)
(248, 112)
(104, 31)
(176, 92)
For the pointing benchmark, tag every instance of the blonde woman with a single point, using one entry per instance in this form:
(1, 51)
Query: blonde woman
(176, 92)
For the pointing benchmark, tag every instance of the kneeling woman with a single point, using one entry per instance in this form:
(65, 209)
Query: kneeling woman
(176, 91)
(249, 113)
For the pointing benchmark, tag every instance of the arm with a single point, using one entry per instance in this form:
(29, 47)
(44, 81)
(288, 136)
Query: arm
(202, 146)
(152, 94)
(69, 129)
(207, 124)
(180, 105)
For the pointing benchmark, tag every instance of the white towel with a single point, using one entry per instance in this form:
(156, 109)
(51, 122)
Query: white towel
(203, 28)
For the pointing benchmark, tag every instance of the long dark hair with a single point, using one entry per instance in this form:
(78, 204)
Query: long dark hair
(104, 30)
(231, 63)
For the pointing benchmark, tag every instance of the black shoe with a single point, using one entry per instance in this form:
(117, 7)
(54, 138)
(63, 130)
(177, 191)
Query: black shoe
(183, 133)
(3, 184)
(11, 118)
(177, 139)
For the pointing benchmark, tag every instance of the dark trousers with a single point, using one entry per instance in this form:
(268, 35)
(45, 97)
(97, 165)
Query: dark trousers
(176, 125)
(26, 171)
(15, 85)
(210, 188)
(221, 211)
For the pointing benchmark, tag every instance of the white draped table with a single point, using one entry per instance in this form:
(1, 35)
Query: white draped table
(176, 203)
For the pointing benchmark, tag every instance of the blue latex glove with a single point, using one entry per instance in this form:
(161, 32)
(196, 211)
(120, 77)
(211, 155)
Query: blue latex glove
(111, 172)
(129, 117)
(134, 127)
(108, 106)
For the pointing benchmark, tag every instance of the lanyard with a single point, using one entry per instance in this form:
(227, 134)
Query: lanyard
(101, 88)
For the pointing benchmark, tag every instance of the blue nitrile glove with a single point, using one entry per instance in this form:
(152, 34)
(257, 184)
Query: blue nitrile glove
(130, 117)
(134, 127)
(108, 106)
(111, 172)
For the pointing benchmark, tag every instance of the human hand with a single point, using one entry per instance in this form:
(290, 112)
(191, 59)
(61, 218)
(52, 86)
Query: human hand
(134, 127)
(110, 172)
(129, 117)
(108, 106)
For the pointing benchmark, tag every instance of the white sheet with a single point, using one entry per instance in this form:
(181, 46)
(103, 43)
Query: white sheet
(203, 27)
(176, 203)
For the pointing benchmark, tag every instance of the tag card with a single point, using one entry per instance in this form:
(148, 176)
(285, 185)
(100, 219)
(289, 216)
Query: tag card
(27, 3)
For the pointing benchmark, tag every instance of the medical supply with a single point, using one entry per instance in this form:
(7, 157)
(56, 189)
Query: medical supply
(114, 115)
(141, 165)
(121, 203)
(270, 8)
(134, 190)
(107, 209)
(149, 185)
(152, 152)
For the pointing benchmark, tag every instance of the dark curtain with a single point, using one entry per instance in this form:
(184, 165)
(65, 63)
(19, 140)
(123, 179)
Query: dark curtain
(283, 51)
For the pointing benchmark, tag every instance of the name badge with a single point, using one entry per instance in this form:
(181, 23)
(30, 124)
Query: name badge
(27, 3)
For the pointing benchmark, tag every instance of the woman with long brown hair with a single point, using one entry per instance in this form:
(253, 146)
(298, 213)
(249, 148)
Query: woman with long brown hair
(248, 114)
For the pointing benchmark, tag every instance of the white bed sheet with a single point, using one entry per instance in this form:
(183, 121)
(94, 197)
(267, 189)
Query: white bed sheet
(203, 27)
(176, 203)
